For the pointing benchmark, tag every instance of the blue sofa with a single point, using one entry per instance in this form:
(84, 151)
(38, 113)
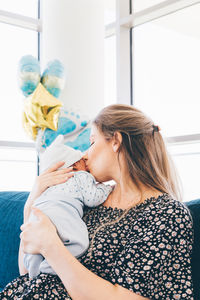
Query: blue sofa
(11, 217)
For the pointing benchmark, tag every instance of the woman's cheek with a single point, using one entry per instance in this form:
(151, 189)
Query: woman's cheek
(91, 154)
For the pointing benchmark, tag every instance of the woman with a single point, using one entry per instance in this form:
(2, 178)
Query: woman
(140, 237)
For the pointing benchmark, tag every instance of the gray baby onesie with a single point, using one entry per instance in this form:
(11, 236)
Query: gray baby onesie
(63, 204)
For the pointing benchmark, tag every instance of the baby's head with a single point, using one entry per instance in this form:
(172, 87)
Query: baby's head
(74, 158)
(58, 152)
(79, 165)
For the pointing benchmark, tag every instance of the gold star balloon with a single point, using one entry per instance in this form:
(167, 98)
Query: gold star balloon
(41, 110)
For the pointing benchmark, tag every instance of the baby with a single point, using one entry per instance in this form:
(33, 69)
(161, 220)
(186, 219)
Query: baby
(64, 204)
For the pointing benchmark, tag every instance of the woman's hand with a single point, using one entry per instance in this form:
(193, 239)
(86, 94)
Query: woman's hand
(50, 177)
(38, 236)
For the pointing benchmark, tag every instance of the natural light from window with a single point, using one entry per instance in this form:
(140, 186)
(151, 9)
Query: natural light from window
(18, 165)
(23, 7)
(166, 72)
(15, 42)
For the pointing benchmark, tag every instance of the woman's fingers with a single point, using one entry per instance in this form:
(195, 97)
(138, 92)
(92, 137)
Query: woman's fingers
(46, 180)
(55, 167)
(51, 177)
(59, 178)
(22, 227)
(40, 217)
(38, 234)
(38, 213)
(63, 171)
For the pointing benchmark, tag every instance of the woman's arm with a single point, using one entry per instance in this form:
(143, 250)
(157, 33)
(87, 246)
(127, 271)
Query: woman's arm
(22, 269)
(81, 284)
(49, 178)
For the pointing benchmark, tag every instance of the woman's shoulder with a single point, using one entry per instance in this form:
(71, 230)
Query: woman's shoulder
(166, 209)
(162, 216)
(171, 206)
(151, 212)
(164, 202)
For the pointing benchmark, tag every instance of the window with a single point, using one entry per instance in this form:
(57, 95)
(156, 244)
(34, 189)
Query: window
(110, 70)
(139, 5)
(23, 42)
(187, 160)
(163, 52)
(166, 68)
(18, 168)
(23, 7)
(19, 28)
(109, 53)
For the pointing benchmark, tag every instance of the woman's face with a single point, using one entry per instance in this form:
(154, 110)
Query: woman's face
(100, 156)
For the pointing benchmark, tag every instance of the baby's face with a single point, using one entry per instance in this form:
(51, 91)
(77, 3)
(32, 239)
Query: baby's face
(79, 165)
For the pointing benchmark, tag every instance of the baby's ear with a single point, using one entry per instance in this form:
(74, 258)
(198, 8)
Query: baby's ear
(53, 77)
(29, 74)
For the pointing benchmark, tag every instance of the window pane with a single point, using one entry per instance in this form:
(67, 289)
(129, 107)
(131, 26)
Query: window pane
(18, 169)
(23, 7)
(167, 70)
(15, 42)
(110, 70)
(187, 161)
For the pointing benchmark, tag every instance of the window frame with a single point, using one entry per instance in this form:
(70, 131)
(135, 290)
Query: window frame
(29, 23)
(126, 21)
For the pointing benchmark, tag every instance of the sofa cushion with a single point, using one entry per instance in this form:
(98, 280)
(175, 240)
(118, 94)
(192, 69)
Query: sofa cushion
(11, 218)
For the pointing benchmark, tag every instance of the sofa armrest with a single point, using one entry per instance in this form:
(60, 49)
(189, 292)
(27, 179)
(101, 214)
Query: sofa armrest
(11, 218)
(194, 207)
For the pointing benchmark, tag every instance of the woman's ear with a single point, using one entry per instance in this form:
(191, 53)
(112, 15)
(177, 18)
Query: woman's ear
(117, 140)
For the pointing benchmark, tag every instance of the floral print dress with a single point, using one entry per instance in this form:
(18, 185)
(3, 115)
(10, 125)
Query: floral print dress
(148, 252)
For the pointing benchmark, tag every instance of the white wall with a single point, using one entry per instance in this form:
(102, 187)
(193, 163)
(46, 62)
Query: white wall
(73, 31)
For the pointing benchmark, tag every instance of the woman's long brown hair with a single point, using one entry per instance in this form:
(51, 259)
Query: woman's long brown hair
(146, 156)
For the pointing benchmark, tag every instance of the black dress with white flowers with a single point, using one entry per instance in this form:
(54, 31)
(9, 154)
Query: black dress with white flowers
(148, 252)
